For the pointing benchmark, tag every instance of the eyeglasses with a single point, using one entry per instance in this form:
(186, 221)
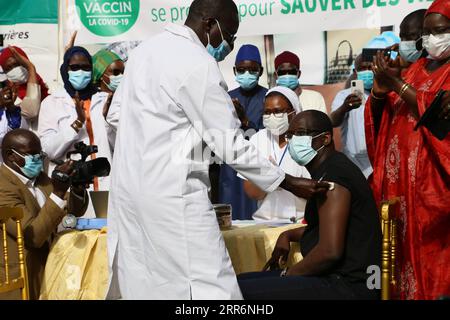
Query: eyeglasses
(287, 72)
(253, 72)
(76, 67)
(231, 36)
(40, 156)
(303, 132)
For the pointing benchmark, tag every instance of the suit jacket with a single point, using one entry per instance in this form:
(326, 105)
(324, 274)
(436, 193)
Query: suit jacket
(38, 224)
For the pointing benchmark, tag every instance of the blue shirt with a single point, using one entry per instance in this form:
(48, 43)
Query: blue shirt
(253, 103)
(231, 187)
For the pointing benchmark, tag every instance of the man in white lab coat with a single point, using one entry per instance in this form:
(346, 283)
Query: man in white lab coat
(163, 238)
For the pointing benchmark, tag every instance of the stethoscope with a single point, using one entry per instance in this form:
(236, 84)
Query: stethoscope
(284, 152)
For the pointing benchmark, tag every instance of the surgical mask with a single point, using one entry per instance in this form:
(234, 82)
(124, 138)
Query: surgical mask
(367, 77)
(80, 79)
(301, 150)
(222, 50)
(18, 75)
(408, 51)
(437, 46)
(114, 82)
(247, 81)
(277, 124)
(33, 165)
(289, 81)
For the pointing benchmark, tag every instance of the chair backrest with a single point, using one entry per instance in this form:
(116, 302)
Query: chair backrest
(21, 282)
(389, 247)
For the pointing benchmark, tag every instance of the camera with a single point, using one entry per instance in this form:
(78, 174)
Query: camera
(84, 171)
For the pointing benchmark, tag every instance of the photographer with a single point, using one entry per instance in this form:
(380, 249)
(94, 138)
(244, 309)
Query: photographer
(10, 114)
(75, 114)
(44, 202)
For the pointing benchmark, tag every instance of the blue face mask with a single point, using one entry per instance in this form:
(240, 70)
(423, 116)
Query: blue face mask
(301, 150)
(289, 81)
(247, 81)
(33, 165)
(114, 82)
(222, 50)
(367, 78)
(408, 51)
(80, 79)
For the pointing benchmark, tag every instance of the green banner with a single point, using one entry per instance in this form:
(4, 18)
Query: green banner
(28, 11)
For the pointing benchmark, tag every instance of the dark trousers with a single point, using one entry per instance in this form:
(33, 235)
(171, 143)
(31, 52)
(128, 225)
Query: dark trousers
(270, 286)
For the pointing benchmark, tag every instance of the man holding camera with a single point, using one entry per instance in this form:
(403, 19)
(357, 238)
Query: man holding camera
(44, 202)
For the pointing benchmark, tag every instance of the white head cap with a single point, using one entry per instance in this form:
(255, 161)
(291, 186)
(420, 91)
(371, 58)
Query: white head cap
(288, 94)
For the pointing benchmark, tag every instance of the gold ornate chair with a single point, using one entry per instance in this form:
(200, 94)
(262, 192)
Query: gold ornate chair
(21, 282)
(389, 247)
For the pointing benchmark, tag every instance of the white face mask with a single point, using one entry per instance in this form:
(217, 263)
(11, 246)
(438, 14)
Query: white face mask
(276, 124)
(18, 75)
(437, 46)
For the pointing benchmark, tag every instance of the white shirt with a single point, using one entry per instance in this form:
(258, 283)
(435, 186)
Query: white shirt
(353, 135)
(37, 193)
(164, 241)
(312, 100)
(279, 204)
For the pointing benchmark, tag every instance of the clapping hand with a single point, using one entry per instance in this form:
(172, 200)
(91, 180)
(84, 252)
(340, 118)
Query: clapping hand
(7, 97)
(240, 112)
(71, 42)
(107, 104)
(386, 72)
(79, 106)
(23, 61)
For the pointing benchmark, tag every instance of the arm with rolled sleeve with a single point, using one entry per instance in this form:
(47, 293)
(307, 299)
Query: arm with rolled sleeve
(31, 103)
(210, 109)
(38, 228)
(56, 136)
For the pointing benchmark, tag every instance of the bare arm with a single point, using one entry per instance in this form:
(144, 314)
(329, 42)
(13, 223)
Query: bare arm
(334, 210)
(351, 102)
(253, 191)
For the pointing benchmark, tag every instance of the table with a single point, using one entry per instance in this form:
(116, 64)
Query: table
(77, 266)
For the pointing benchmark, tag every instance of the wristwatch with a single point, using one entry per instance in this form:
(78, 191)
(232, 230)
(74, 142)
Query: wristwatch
(77, 125)
(69, 221)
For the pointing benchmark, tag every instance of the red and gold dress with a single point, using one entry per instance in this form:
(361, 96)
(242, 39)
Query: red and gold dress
(415, 167)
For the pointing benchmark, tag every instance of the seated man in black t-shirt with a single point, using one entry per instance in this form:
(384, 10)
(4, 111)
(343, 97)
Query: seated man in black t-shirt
(343, 233)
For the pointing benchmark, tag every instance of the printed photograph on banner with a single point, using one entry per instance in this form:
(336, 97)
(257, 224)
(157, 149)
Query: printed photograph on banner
(342, 48)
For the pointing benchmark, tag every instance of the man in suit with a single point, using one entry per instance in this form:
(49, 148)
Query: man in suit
(44, 202)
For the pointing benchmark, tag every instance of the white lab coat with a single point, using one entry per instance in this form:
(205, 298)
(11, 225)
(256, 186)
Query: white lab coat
(58, 137)
(279, 204)
(163, 237)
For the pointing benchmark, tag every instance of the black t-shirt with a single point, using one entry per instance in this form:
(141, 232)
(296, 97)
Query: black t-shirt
(363, 239)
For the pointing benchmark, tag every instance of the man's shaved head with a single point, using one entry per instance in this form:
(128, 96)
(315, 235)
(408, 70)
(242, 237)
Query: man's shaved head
(214, 21)
(20, 140)
(212, 8)
(412, 24)
(312, 121)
